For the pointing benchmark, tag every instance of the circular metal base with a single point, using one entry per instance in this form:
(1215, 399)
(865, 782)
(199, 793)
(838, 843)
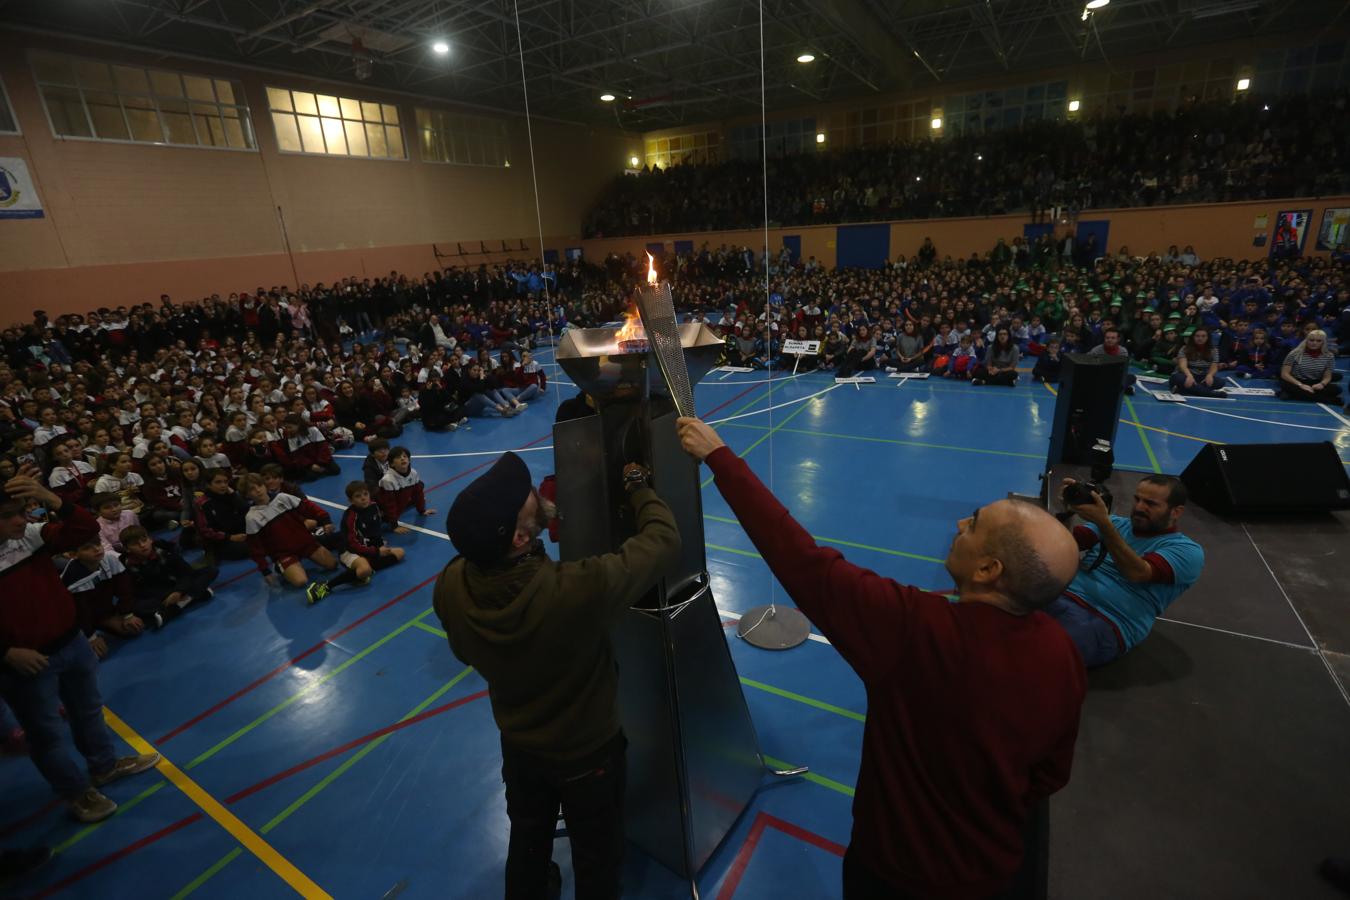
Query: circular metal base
(773, 627)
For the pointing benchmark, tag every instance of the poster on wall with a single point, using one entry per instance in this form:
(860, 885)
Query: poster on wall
(18, 197)
(1335, 231)
(1291, 230)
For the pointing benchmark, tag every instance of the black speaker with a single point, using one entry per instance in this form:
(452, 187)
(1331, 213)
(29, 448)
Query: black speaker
(1260, 478)
(1088, 407)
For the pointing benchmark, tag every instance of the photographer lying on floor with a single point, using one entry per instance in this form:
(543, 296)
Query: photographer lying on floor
(1132, 568)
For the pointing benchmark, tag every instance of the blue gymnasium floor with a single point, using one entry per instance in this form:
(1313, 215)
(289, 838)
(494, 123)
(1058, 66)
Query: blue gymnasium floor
(344, 750)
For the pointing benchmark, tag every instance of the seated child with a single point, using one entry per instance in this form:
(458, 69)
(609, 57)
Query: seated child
(303, 451)
(112, 518)
(161, 496)
(283, 528)
(376, 462)
(401, 488)
(362, 531)
(70, 478)
(120, 480)
(219, 518)
(162, 582)
(103, 595)
(1048, 363)
(274, 476)
(210, 456)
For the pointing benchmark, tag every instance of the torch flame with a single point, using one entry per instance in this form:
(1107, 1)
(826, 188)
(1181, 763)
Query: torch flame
(651, 269)
(632, 329)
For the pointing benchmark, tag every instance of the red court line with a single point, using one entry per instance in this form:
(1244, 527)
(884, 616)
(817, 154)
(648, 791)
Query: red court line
(286, 665)
(736, 871)
(116, 855)
(229, 581)
(542, 437)
(250, 791)
(21, 824)
(724, 404)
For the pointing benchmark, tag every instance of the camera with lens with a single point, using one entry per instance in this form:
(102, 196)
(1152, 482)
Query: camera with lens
(1102, 461)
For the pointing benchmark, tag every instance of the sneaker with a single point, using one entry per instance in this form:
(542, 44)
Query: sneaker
(316, 591)
(890, 369)
(158, 620)
(15, 864)
(978, 382)
(1129, 390)
(125, 767)
(362, 582)
(91, 807)
(1221, 394)
(210, 593)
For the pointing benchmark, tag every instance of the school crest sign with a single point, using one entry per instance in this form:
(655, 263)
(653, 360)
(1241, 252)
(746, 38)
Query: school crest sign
(18, 197)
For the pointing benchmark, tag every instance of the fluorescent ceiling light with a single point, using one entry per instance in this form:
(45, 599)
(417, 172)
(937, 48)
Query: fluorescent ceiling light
(937, 123)
(1244, 83)
(1073, 105)
(820, 137)
(608, 98)
(806, 58)
(1096, 4)
(441, 47)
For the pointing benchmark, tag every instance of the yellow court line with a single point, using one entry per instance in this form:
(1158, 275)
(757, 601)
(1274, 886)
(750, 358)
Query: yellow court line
(1189, 437)
(299, 881)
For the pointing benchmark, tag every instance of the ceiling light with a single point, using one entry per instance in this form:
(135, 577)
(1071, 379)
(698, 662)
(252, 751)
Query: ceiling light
(1244, 83)
(1096, 4)
(806, 58)
(1073, 105)
(918, 178)
(979, 157)
(820, 137)
(633, 161)
(441, 47)
(1266, 107)
(937, 123)
(608, 98)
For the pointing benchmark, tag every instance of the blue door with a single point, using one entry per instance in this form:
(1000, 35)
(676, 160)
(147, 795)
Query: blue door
(1098, 228)
(551, 257)
(863, 246)
(1032, 233)
(656, 249)
(793, 243)
(684, 248)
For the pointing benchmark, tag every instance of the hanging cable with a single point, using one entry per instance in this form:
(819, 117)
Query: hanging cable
(538, 213)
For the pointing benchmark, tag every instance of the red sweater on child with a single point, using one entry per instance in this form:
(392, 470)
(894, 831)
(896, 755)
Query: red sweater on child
(308, 448)
(972, 712)
(278, 529)
(398, 492)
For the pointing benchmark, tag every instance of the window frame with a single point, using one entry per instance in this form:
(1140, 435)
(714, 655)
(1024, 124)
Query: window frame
(241, 105)
(319, 117)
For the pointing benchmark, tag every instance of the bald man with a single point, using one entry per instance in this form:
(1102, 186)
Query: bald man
(972, 706)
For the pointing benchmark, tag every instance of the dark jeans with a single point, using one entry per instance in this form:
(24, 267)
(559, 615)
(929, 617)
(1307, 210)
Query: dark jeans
(590, 793)
(1090, 632)
(71, 678)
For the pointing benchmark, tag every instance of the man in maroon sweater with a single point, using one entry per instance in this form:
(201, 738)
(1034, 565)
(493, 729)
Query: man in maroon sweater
(972, 706)
(46, 659)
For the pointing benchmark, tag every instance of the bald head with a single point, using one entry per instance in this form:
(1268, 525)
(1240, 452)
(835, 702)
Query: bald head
(1013, 553)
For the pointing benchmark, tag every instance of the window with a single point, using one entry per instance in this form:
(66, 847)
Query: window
(462, 140)
(87, 98)
(338, 126)
(683, 149)
(8, 124)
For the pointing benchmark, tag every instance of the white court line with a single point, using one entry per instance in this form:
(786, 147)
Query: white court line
(1335, 679)
(1215, 412)
(1327, 408)
(818, 638)
(777, 406)
(455, 455)
(445, 537)
(1253, 637)
(440, 534)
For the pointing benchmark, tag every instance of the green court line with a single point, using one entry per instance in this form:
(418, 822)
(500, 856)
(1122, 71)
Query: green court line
(750, 553)
(822, 539)
(157, 786)
(432, 629)
(800, 698)
(810, 776)
(1143, 436)
(770, 433)
(203, 757)
(318, 788)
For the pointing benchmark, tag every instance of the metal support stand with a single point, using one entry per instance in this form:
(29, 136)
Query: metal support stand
(773, 627)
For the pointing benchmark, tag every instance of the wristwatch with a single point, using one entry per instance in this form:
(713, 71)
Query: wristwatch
(632, 478)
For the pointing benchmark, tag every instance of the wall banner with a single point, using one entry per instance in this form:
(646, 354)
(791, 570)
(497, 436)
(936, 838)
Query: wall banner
(18, 197)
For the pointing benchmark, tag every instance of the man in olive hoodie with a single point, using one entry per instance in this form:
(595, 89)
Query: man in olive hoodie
(538, 632)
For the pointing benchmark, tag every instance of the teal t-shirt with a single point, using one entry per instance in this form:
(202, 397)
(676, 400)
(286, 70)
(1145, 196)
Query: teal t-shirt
(1133, 606)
